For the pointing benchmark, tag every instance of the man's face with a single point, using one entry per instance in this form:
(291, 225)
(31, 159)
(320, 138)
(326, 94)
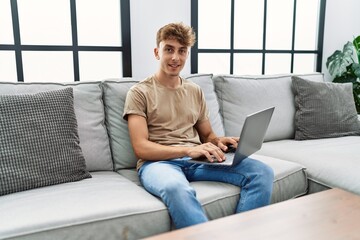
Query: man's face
(172, 56)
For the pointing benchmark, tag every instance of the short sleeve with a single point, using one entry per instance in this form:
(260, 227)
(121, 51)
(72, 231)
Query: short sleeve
(135, 103)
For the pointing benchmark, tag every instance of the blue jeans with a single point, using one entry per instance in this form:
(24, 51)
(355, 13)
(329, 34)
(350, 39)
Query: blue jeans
(169, 180)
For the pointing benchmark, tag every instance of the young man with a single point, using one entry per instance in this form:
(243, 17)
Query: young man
(169, 124)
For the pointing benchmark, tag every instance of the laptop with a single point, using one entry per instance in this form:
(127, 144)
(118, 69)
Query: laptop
(251, 138)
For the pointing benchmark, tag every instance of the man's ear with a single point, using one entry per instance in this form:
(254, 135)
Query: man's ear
(156, 53)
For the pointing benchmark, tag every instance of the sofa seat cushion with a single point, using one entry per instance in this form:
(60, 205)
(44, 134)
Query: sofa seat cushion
(107, 206)
(290, 182)
(218, 199)
(332, 162)
(89, 111)
(290, 178)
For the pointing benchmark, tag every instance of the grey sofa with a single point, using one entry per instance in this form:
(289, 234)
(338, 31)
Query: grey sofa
(113, 205)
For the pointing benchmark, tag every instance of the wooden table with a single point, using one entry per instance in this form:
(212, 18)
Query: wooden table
(331, 214)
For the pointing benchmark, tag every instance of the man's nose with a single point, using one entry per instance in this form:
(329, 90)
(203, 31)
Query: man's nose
(175, 56)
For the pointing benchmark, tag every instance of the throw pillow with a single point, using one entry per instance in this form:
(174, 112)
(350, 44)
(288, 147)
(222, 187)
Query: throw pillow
(324, 110)
(39, 142)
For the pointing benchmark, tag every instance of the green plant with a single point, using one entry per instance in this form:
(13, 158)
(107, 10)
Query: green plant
(344, 67)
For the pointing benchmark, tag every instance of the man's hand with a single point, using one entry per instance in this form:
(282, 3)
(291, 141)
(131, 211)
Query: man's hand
(214, 149)
(224, 142)
(209, 150)
(218, 145)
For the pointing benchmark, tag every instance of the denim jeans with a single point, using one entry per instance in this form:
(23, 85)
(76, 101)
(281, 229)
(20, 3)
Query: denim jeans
(169, 180)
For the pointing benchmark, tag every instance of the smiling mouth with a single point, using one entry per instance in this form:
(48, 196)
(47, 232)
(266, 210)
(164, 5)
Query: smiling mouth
(174, 65)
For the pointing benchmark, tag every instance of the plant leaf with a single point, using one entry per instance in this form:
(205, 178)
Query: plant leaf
(356, 43)
(355, 68)
(348, 49)
(339, 60)
(350, 78)
(356, 93)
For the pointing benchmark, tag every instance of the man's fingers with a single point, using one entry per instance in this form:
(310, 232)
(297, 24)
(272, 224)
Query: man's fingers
(231, 141)
(215, 151)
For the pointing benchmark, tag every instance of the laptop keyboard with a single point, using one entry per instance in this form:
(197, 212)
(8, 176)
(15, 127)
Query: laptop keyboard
(231, 149)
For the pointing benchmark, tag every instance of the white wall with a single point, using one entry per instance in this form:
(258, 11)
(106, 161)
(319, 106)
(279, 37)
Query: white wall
(146, 18)
(342, 22)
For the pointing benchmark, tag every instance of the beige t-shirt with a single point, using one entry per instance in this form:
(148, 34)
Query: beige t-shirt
(170, 113)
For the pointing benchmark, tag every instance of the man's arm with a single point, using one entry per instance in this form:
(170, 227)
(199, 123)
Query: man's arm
(150, 151)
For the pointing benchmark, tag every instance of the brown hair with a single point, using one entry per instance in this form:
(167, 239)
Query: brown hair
(182, 33)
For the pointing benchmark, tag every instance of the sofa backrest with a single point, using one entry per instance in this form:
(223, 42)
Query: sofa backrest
(115, 91)
(104, 136)
(207, 85)
(90, 117)
(242, 95)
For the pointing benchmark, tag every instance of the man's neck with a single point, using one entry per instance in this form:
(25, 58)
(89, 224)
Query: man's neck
(168, 81)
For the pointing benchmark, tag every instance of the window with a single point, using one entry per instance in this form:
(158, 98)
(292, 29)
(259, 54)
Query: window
(257, 36)
(64, 40)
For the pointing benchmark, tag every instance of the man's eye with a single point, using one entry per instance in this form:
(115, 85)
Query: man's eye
(168, 50)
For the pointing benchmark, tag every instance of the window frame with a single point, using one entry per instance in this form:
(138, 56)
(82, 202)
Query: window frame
(74, 48)
(320, 39)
